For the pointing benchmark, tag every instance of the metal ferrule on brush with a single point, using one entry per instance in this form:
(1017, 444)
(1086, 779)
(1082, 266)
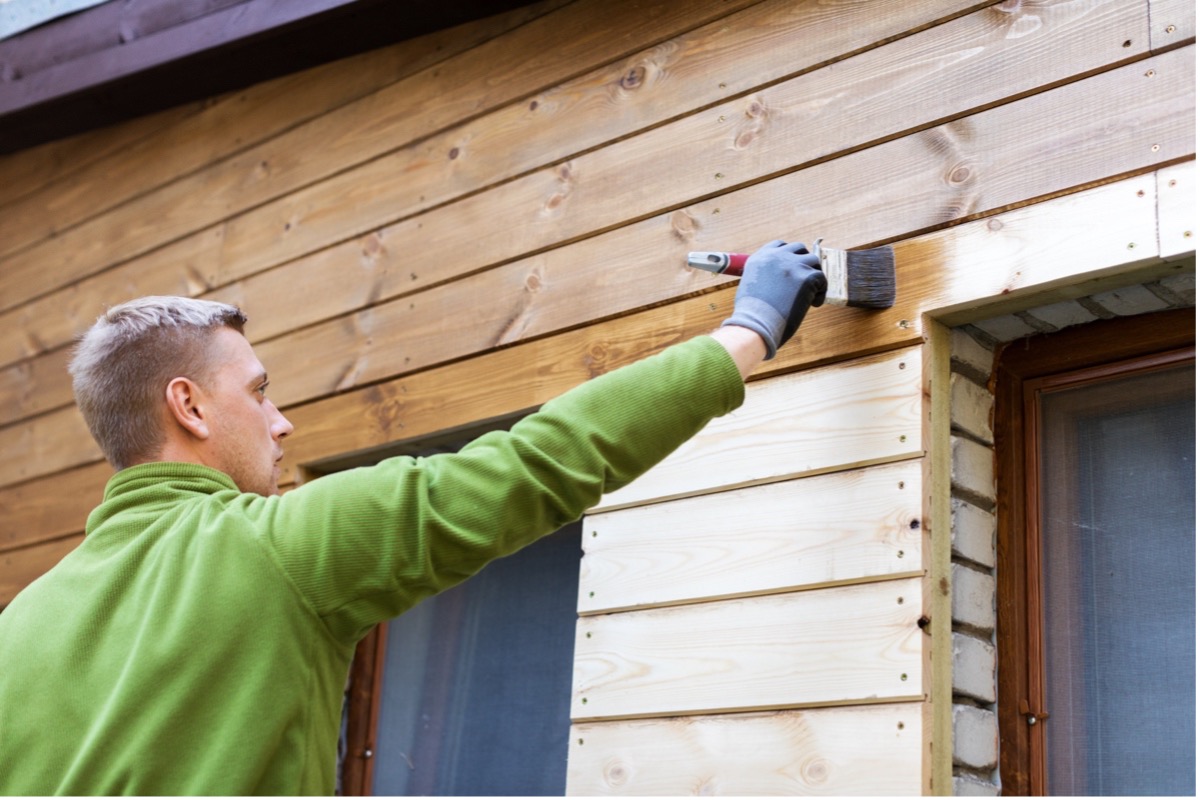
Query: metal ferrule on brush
(710, 261)
(833, 264)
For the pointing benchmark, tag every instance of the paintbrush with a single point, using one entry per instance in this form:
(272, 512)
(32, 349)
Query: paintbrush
(857, 278)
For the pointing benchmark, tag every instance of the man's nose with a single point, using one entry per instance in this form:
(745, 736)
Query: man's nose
(280, 427)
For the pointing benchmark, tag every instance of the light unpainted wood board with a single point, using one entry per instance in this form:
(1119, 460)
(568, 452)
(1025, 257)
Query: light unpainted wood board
(19, 568)
(694, 69)
(1171, 22)
(546, 51)
(831, 529)
(1177, 229)
(937, 641)
(830, 418)
(234, 122)
(49, 508)
(836, 646)
(861, 750)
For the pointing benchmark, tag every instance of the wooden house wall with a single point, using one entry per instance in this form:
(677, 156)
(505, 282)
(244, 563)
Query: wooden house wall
(453, 230)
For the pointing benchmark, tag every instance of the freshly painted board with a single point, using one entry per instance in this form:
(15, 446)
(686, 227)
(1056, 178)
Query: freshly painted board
(842, 527)
(847, 415)
(836, 646)
(859, 750)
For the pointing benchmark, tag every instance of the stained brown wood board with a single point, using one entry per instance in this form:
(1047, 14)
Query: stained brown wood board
(544, 52)
(531, 318)
(575, 115)
(887, 191)
(836, 646)
(830, 529)
(50, 508)
(230, 124)
(19, 568)
(1062, 246)
(863, 750)
(776, 129)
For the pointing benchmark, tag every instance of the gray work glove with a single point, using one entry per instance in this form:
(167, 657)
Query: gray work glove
(780, 282)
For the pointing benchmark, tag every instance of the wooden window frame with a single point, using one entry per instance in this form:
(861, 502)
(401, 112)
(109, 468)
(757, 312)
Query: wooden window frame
(1086, 353)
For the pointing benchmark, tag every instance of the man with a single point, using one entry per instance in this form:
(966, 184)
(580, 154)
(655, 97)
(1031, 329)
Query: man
(198, 640)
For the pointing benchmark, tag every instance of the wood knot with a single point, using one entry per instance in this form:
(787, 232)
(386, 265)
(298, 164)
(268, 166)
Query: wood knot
(564, 172)
(757, 109)
(995, 224)
(615, 773)
(959, 175)
(595, 359)
(684, 225)
(534, 281)
(453, 153)
(533, 105)
(633, 78)
(372, 247)
(815, 771)
(555, 201)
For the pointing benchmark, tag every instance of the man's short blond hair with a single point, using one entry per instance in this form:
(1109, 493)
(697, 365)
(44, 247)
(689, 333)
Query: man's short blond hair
(122, 365)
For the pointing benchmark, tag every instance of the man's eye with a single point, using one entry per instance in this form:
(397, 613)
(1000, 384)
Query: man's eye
(262, 390)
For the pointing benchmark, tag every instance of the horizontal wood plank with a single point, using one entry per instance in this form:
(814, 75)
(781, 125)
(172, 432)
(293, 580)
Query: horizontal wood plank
(863, 750)
(926, 180)
(233, 123)
(831, 529)
(50, 508)
(771, 130)
(1069, 246)
(43, 445)
(831, 418)
(19, 568)
(837, 646)
(24, 172)
(547, 51)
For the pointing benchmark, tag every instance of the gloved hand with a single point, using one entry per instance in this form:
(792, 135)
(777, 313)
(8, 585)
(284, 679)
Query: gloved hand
(780, 282)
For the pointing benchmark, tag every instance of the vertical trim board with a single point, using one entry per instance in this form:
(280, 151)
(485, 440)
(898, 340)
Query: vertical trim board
(837, 646)
(859, 750)
(853, 414)
(824, 530)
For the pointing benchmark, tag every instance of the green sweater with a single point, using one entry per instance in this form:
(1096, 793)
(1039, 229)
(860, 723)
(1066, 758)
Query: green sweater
(199, 639)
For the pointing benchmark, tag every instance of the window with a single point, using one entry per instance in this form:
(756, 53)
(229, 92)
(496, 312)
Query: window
(1095, 435)
(469, 692)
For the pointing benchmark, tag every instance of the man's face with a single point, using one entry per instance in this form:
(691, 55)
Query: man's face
(246, 427)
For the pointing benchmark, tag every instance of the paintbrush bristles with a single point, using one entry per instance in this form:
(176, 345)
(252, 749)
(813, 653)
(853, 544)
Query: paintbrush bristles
(871, 278)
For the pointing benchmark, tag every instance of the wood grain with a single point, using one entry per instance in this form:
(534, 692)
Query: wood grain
(863, 750)
(837, 417)
(52, 507)
(837, 646)
(232, 123)
(19, 568)
(547, 51)
(830, 529)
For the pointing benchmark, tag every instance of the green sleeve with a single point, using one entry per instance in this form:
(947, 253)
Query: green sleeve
(366, 544)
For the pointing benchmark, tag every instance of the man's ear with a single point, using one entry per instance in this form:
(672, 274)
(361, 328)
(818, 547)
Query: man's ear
(184, 402)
